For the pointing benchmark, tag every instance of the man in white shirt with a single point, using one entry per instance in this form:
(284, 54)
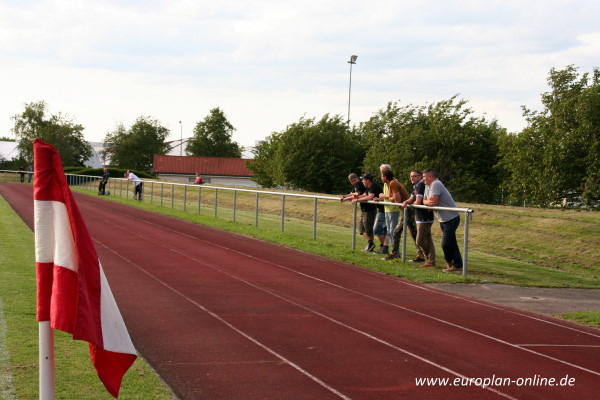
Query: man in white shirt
(436, 195)
(138, 185)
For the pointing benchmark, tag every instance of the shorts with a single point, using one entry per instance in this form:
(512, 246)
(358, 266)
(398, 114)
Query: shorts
(367, 220)
(379, 227)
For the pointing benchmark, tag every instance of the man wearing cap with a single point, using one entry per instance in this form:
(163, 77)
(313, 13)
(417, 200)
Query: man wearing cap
(368, 211)
(358, 191)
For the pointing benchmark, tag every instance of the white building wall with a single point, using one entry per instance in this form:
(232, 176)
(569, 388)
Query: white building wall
(211, 180)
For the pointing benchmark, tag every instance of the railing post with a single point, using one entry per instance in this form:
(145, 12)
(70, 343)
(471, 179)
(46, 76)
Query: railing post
(354, 226)
(404, 228)
(282, 212)
(234, 203)
(216, 201)
(466, 244)
(199, 199)
(162, 187)
(315, 220)
(173, 195)
(256, 222)
(184, 197)
(151, 192)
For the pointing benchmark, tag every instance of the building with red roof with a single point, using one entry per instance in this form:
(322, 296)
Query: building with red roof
(214, 170)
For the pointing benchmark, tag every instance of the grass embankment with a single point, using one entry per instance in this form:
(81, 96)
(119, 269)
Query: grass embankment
(75, 375)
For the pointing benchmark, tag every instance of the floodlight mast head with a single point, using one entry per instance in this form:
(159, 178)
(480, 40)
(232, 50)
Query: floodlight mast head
(352, 61)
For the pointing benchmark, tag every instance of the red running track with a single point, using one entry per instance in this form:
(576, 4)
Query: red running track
(223, 316)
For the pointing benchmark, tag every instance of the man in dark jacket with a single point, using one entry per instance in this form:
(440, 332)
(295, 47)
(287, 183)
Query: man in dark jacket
(103, 182)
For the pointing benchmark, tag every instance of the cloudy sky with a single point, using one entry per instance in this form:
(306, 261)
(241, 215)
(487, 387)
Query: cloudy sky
(267, 63)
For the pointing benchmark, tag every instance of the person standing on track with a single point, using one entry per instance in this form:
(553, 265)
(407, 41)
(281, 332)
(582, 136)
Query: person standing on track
(138, 185)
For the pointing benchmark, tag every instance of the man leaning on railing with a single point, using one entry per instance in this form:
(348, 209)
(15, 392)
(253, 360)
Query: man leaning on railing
(436, 194)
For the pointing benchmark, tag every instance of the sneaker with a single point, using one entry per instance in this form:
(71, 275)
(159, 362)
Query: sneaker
(370, 247)
(452, 269)
(418, 259)
(382, 250)
(390, 256)
(427, 265)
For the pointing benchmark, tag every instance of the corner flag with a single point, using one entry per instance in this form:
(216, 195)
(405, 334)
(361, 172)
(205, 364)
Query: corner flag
(72, 290)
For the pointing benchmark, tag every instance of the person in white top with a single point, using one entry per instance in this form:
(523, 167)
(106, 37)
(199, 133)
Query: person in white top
(138, 185)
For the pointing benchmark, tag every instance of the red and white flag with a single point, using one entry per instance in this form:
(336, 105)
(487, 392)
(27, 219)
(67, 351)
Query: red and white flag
(72, 290)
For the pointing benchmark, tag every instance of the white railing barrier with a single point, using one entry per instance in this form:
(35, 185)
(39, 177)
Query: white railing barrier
(91, 183)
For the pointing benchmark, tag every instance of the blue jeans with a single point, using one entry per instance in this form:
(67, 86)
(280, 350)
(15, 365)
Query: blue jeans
(391, 220)
(379, 226)
(449, 244)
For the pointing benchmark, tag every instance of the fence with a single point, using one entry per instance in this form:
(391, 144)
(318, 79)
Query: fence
(122, 188)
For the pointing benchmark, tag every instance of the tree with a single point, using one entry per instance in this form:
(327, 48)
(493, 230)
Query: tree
(444, 135)
(58, 130)
(212, 137)
(558, 154)
(310, 155)
(134, 148)
(266, 167)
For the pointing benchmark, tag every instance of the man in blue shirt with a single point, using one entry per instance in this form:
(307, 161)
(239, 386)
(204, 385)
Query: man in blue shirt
(424, 220)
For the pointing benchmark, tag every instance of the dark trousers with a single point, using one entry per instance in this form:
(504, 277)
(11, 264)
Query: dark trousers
(412, 227)
(449, 244)
(138, 190)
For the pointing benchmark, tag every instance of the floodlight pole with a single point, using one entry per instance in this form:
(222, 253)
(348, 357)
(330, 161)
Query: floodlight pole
(351, 62)
(181, 140)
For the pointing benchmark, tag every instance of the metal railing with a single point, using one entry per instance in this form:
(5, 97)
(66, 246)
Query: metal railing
(116, 186)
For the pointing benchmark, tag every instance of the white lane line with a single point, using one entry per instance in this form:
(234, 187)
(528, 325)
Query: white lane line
(366, 334)
(229, 325)
(557, 345)
(377, 299)
(369, 272)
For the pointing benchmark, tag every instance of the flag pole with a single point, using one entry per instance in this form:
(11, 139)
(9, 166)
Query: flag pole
(46, 360)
